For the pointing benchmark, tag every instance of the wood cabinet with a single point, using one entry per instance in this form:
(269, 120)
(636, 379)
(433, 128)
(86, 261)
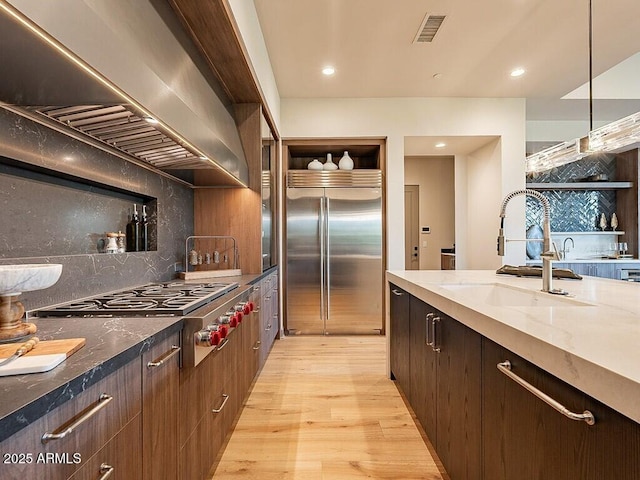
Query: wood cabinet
(269, 314)
(399, 338)
(447, 261)
(459, 404)
(485, 425)
(211, 396)
(439, 363)
(98, 414)
(251, 346)
(604, 270)
(160, 412)
(423, 361)
(119, 456)
(525, 438)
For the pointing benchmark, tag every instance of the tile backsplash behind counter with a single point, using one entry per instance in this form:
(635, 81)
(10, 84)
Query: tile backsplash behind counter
(59, 197)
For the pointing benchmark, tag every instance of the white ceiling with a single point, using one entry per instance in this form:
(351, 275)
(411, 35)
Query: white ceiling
(370, 43)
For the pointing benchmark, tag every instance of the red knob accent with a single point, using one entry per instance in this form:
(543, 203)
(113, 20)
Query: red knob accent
(215, 338)
(224, 330)
(234, 321)
(246, 309)
(252, 306)
(239, 316)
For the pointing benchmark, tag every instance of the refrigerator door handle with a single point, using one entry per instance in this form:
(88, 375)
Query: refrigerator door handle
(328, 262)
(321, 221)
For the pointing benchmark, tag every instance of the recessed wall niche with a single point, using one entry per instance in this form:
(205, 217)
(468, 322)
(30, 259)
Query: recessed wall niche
(46, 213)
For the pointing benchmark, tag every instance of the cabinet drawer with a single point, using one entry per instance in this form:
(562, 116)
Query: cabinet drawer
(94, 423)
(160, 382)
(120, 456)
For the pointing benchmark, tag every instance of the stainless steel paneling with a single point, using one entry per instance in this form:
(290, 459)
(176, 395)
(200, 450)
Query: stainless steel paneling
(304, 273)
(354, 260)
(340, 178)
(138, 48)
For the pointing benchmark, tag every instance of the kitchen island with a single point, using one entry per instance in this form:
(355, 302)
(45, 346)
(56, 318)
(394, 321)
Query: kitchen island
(451, 334)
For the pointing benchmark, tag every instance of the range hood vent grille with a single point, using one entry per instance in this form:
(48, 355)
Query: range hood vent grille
(429, 28)
(121, 128)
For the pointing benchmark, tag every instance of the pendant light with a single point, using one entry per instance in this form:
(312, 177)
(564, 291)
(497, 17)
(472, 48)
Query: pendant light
(610, 138)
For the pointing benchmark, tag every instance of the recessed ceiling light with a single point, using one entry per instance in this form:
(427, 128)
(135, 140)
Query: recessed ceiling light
(441, 145)
(328, 70)
(436, 76)
(517, 72)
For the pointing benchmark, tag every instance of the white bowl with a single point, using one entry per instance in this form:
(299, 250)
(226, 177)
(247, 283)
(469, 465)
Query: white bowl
(15, 279)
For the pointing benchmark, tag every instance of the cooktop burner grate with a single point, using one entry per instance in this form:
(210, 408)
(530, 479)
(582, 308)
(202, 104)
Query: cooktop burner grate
(154, 299)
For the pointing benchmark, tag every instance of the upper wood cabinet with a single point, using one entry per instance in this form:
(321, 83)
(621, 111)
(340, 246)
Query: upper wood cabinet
(237, 212)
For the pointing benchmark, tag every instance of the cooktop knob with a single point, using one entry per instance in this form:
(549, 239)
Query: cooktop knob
(207, 338)
(223, 331)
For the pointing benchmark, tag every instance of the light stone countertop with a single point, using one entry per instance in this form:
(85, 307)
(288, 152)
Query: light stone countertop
(621, 261)
(594, 347)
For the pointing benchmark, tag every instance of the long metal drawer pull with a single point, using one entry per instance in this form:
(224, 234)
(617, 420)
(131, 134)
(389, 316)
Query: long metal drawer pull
(586, 416)
(397, 292)
(224, 402)
(223, 343)
(434, 345)
(102, 402)
(164, 358)
(428, 319)
(257, 347)
(106, 471)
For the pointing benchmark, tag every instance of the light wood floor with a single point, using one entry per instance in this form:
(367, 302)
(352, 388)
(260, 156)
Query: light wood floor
(322, 408)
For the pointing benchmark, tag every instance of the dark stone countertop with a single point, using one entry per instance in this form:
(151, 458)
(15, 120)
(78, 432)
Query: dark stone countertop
(110, 344)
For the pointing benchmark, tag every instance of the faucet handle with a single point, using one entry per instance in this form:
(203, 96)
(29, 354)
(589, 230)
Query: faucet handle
(552, 253)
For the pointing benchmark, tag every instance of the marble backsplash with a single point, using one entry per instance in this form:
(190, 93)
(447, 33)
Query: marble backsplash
(58, 196)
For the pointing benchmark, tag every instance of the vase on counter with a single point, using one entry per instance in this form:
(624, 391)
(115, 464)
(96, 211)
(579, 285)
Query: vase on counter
(345, 163)
(329, 165)
(603, 222)
(315, 165)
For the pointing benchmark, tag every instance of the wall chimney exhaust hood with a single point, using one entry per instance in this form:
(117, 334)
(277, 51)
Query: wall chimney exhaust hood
(122, 76)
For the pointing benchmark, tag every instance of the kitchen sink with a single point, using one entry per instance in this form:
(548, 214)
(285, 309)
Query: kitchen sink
(501, 295)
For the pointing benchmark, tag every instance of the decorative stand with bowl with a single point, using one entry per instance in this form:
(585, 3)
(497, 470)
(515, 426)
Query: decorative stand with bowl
(15, 279)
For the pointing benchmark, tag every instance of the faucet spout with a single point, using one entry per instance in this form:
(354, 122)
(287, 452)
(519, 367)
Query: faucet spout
(550, 252)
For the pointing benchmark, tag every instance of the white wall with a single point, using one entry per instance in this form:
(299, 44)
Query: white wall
(395, 118)
(483, 198)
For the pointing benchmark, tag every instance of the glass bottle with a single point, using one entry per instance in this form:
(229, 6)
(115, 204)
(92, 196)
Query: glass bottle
(133, 231)
(144, 230)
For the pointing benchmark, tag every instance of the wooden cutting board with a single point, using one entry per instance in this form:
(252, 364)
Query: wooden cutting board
(45, 356)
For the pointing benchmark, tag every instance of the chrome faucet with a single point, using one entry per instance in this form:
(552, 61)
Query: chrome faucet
(550, 252)
(563, 252)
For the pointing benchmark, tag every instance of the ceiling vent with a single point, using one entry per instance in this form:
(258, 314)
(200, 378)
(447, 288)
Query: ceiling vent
(428, 28)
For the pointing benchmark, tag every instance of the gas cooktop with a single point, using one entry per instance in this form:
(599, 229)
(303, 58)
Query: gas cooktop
(152, 300)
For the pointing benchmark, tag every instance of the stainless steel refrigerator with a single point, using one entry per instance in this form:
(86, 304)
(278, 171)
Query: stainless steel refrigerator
(334, 252)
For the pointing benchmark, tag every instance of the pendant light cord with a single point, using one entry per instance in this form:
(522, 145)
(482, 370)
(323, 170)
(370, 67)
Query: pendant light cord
(590, 68)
